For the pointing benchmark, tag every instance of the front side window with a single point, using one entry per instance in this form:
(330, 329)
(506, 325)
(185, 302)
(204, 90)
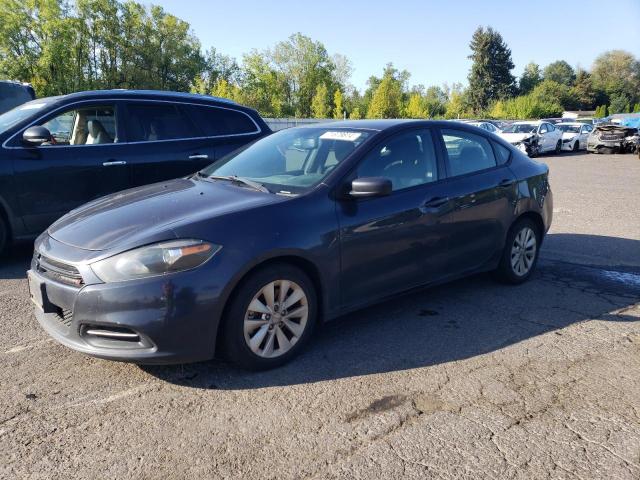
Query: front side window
(215, 121)
(543, 128)
(150, 122)
(467, 152)
(21, 114)
(93, 125)
(291, 161)
(407, 159)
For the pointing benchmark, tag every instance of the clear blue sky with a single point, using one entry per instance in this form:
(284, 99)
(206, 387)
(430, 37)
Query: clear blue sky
(428, 38)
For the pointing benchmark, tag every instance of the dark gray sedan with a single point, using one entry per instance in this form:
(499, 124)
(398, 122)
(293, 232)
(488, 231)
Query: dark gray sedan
(248, 255)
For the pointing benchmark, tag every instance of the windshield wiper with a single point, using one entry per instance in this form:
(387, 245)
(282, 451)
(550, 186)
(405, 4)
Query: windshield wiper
(236, 179)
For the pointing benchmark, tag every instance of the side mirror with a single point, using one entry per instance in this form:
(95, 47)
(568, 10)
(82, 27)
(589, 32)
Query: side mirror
(370, 187)
(36, 136)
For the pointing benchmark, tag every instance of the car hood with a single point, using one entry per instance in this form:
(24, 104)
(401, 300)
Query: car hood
(569, 135)
(515, 137)
(147, 214)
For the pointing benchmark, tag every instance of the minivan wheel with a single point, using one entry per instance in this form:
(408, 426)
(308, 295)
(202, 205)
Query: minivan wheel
(270, 318)
(521, 251)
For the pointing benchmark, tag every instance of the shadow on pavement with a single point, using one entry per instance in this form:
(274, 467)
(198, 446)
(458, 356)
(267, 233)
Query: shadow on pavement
(451, 322)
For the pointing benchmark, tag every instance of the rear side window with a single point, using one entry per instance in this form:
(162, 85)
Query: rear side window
(213, 121)
(502, 153)
(149, 122)
(467, 152)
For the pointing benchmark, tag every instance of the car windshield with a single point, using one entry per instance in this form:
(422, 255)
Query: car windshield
(569, 128)
(20, 113)
(290, 161)
(520, 128)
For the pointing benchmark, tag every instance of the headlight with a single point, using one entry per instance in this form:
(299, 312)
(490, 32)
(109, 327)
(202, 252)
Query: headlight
(156, 259)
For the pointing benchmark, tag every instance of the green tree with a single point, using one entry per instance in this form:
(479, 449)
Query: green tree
(417, 106)
(601, 111)
(338, 107)
(619, 104)
(435, 100)
(530, 78)
(320, 103)
(617, 73)
(550, 92)
(559, 72)
(636, 108)
(525, 107)
(490, 77)
(386, 98)
(583, 91)
(355, 114)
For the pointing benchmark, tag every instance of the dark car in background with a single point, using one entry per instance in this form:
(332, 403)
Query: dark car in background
(58, 153)
(302, 226)
(14, 93)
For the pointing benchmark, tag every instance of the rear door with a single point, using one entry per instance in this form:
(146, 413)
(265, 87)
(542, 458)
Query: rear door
(481, 190)
(85, 160)
(163, 142)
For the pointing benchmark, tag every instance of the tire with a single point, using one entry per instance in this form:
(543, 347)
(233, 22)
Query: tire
(558, 147)
(4, 236)
(262, 325)
(576, 146)
(508, 271)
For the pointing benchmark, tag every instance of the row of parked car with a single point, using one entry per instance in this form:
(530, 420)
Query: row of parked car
(555, 135)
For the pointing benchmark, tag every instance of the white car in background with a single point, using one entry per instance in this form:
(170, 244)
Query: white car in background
(533, 137)
(488, 126)
(574, 135)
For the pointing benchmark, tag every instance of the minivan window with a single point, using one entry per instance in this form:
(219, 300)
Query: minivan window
(291, 161)
(407, 159)
(83, 126)
(150, 122)
(213, 121)
(467, 152)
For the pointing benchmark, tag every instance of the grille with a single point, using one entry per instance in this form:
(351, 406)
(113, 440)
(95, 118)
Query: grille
(59, 271)
(64, 316)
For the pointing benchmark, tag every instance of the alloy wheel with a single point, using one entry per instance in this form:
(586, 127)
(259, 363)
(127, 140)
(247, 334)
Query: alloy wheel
(276, 318)
(523, 251)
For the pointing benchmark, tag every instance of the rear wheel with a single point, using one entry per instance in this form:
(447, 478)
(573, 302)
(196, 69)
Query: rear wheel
(270, 318)
(520, 255)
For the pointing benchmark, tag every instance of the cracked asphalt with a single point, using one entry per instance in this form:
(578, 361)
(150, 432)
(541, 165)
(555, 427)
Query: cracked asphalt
(467, 380)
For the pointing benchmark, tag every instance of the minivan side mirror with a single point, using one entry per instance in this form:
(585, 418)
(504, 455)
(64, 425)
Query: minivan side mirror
(36, 136)
(368, 187)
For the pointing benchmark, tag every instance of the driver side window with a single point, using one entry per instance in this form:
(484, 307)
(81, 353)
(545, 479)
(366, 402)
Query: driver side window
(407, 159)
(83, 126)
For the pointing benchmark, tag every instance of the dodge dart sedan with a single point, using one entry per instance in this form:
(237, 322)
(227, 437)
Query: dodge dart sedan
(248, 255)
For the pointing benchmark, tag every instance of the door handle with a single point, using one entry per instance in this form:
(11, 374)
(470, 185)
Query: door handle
(506, 182)
(198, 156)
(435, 202)
(111, 163)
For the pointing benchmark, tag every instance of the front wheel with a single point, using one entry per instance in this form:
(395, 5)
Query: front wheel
(576, 146)
(558, 147)
(270, 318)
(520, 255)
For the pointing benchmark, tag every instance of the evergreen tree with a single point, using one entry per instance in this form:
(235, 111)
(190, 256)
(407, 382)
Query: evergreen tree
(583, 91)
(320, 102)
(386, 101)
(560, 72)
(338, 108)
(416, 108)
(490, 77)
(530, 78)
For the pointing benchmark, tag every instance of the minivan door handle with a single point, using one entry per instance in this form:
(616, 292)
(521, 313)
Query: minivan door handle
(198, 156)
(111, 163)
(435, 202)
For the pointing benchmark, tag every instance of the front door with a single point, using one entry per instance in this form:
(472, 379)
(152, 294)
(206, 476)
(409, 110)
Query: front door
(82, 162)
(392, 243)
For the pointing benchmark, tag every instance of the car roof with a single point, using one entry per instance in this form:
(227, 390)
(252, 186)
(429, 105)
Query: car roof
(148, 94)
(378, 125)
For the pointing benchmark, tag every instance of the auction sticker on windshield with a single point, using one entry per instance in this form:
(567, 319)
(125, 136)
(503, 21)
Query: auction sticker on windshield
(338, 135)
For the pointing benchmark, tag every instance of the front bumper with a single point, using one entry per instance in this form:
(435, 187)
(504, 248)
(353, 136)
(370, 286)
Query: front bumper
(167, 319)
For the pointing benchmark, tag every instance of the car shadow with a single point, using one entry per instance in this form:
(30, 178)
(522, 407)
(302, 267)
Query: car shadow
(447, 323)
(16, 261)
